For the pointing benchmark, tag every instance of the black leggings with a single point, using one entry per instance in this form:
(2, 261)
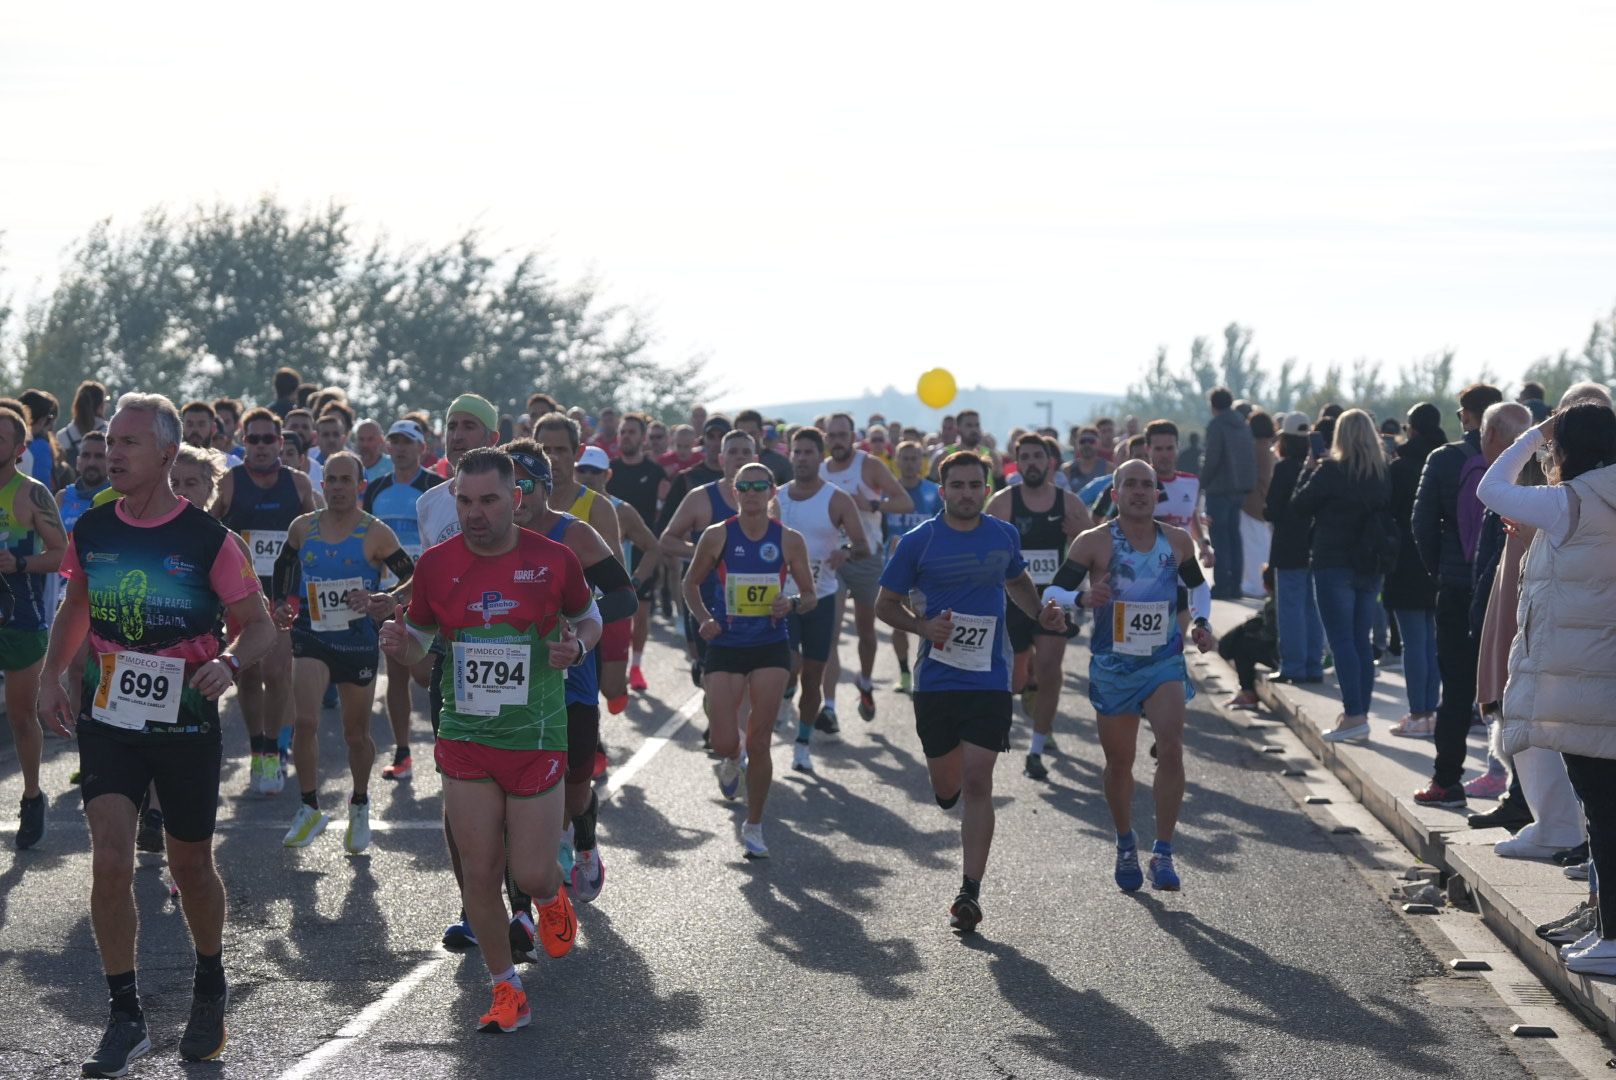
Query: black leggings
(1594, 780)
(1245, 648)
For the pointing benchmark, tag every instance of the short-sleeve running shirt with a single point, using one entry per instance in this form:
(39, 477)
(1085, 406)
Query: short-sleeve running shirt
(963, 572)
(515, 599)
(928, 499)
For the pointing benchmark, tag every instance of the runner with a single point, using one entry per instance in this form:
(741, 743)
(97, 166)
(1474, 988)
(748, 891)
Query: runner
(393, 498)
(637, 479)
(32, 542)
(968, 430)
(327, 592)
(1141, 569)
(820, 513)
(198, 423)
(151, 579)
(640, 551)
(744, 626)
(927, 497)
(875, 491)
(1046, 518)
(300, 422)
(964, 566)
(371, 443)
(258, 500)
(79, 496)
(516, 610)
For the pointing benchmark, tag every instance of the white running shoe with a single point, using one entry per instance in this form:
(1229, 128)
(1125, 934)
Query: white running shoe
(308, 824)
(729, 778)
(358, 838)
(1597, 959)
(752, 841)
(800, 759)
(1586, 941)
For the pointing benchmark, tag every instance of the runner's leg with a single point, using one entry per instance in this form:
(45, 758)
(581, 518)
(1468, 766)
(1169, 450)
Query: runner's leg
(976, 821)
(765, 684)
(1119, 738)
(112, 879)
(311, 676)
(1047, 653)
(22, 709)
(1164, 711)
(357, 704)
(475, 811)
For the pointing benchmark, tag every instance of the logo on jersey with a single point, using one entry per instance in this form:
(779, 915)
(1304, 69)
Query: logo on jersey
(177, 566)
(491, 603)
(769, 553)
(528, 577)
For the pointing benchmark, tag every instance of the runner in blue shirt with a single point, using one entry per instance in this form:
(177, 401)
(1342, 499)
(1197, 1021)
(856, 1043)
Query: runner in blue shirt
(957, 570)
(928, 499)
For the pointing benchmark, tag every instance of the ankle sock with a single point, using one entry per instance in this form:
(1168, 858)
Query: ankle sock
(971, 888)
(311, 800)
(509, 975)
(209, 980)
(400, 754)
(124, 995)
(1126, 841)
(360, 798)
(1038, 741)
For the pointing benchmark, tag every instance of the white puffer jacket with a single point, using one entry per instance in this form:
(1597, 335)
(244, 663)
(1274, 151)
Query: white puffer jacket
(1561, 693)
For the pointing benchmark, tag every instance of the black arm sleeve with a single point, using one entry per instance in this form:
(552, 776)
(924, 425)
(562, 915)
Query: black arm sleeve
(402, 566)
(288, 569)
(1070, 575)
(1190, 574)
(617, 599)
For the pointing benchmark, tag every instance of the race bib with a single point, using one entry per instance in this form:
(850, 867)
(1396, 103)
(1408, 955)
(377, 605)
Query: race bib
(750, 594)
(1042, 564)
(970, 643)
(137, 689)
(1139, 629)
(489, 676)
(329, 612)
(265, 546)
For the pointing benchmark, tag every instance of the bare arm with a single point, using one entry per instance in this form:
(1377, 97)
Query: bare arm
(999, 505)
(639, 534)
(844, 515)
(603, 516)
(221, 498)
(702, 562)
(307, 500)
(685, 520)
(45, 518)
(894, 499)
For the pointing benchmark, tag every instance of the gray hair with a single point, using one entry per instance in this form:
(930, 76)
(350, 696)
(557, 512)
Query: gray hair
(1506, 419)
(209, 460)
(165, 418)
(1585, 392)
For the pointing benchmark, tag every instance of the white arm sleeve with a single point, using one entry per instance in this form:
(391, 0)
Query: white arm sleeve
(1546, 508)
(1201, 602)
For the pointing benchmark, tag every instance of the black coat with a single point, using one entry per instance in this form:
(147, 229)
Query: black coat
(1436, 511)
(1342, 511)
(1293, 534)
(1409, 587)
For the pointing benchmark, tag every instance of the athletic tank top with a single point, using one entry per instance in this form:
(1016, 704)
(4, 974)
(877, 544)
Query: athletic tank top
(27, 590)
(328, 572)
(851, 480)
(583, 681)
(1043, 535)
(811, 518)
(1140, 625)
(750, 574)
(268, 513)
(75, 502)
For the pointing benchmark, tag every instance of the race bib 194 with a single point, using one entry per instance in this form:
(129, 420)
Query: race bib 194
(137, 689)
(1139, 629)
(970, 643)
(329, 612)
(489, 676)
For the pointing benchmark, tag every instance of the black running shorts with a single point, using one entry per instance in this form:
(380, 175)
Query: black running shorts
(946, 718)
(745, 659)
(184, 770)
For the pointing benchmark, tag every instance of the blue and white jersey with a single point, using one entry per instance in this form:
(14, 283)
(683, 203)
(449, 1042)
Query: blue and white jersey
(1140, 626)
(928, 499)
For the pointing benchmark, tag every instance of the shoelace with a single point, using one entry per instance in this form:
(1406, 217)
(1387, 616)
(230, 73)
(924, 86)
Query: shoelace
(1164, 863)
(504, 1001)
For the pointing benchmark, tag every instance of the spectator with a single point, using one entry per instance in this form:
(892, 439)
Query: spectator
(1410, 594)
(1228, 472)
(42, 452)
(89, 414)
(1437, 509)
(1255, 532)
(1301, 634)
(1190, 459)
(1389, 430)
(1348, 498)
(1531, 396)
(1560, 687)
(1253, 642)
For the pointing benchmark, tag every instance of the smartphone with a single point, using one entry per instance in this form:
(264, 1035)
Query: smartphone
(1315, 442)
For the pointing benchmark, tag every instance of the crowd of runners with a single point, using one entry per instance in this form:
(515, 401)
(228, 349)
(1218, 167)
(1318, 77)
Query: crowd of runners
(511, 566)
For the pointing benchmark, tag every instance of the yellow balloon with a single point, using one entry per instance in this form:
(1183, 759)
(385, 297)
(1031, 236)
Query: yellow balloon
(936, 388)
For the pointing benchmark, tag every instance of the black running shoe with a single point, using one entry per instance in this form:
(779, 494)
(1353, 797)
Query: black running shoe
(31, 823)
(826, 722)
(124, 1040)
(1572, 856)
(1049, 745)
(1035, 767)
(866, 704)
(204, 1035)
(965, 913)
(149, 838)
(695, 673)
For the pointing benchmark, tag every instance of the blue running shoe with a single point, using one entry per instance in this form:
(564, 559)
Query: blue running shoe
(1162, 874)
(729, 777)
(458, 935)
(1129, 876)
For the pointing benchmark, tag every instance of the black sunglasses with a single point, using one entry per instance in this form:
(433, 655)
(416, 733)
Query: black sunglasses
(753, 485)
(260, 440)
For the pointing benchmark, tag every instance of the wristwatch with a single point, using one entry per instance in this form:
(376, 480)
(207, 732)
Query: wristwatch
(796, 604)
(230, 661)
(582, 652)
(1201, 622)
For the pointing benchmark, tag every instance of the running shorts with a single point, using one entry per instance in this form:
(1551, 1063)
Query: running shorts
(1123, 693)
(861, 578)
(520, 774)
(946, 718)
(21, 649)
(184, 771)
(356, 667)
(812, 634)
(745, 659)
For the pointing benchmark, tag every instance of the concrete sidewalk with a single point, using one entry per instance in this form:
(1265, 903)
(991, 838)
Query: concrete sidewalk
(1513, 895)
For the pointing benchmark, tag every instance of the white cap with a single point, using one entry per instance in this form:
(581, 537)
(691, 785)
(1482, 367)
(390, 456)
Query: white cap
(409, 429)
(594, 457)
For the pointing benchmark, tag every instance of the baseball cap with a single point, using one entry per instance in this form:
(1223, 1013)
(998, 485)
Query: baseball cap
(594, 457)
(716, 423)
(1294, 423)
(407, 428)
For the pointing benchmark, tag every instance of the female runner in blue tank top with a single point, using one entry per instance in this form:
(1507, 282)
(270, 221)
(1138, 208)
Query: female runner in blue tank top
(734, 590)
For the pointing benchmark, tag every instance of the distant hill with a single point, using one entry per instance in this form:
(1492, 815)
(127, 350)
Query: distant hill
(1001, 409)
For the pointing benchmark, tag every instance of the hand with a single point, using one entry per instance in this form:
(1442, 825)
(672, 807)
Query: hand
(937, 630)
(1208, 559)
(835, 559)
(56, 708)
(1546, 428)
(1509, 525)
(1098, 594)
(285, 614)
(781, 606)
(710, 629)
(358, 601)
(1052, 617)
(566, 648)
(1202, 637)
(212, 679)
(394, 636)
(378, 605)
(8, 561)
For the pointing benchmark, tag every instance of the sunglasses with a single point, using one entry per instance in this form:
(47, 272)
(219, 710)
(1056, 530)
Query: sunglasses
(1088, 442)
(754, 485)
(526, 484)
(588, 470)
(261, 440)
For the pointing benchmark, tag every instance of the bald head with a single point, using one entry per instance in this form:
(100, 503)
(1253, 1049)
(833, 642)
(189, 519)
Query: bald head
(1501, 425)
(1582, 393)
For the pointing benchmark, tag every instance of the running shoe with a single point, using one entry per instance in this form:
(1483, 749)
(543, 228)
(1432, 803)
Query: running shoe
(826, 721)
(1245, 700)
(1128, 875)
(800, 759)
(458, 936)
(255, 774)
(75, 776)
(401, 769)
(566, 854)
(616, 705)
(509, 1012)
(729, 778)
(1163, 876)
(1569, 927)
(329, 701)
(1577, 871)
(204, 1035)
(558, 926)
(308, 824)
(31, 822)
(1034, 767)
(636, 680)
(523, 949)
(1451, 798)
(1486, 786)
(1586, 941)
(1597, 959)
(274, 774)
(1572, 856)
(588, 876)
(866, 705)
(1416, 726)
(602, 762)
(964, 913)
(358, 835)
(752, 841)
(905, 681)
(149, 837)
(124, 1040)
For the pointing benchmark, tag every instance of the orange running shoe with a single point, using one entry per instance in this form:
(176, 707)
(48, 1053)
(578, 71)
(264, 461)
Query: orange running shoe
(558, 927)
(636, 679)
(510, 1010)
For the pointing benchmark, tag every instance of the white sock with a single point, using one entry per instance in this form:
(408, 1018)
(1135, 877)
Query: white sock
(1038, 739)
(863, 683)
(635, 656)
(510, 976)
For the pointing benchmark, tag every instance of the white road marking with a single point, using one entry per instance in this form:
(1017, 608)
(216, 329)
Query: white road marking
(651, 746)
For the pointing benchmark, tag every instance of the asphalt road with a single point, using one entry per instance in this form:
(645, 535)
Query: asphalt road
(833, 958)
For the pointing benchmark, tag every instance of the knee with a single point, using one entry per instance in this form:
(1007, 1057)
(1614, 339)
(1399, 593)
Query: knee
(978, 786)
(113, 869)
(357, 737)
(758, 743)
(1170, 750)
(1119, 763)
(190, 862)
(725, 744)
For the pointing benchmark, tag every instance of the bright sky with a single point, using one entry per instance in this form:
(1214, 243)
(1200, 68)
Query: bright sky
(834, 197)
